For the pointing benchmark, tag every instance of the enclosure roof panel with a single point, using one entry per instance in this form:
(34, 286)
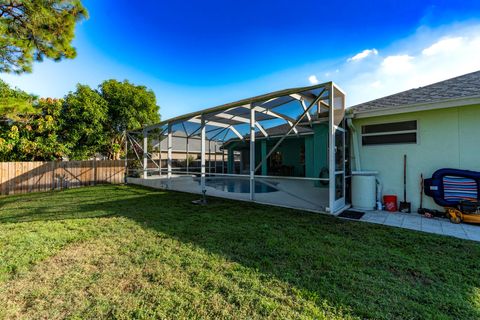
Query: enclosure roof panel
(270, 100)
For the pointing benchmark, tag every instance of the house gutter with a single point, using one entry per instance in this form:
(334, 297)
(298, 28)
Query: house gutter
(425, 106)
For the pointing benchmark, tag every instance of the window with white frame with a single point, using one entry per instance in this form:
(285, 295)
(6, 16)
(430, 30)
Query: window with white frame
(390, 133)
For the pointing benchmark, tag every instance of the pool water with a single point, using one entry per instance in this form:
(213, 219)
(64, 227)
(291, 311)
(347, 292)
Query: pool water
(238, 185)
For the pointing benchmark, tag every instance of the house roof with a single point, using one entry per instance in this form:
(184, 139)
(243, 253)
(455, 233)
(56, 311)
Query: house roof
(179, 144)
(282, 129)
(464, 86)
(275, 132)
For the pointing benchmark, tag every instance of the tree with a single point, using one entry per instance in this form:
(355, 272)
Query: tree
(129, 107)
(14, 102)
(84, 123)
(34, 29)
(83, 118)
(34, 137)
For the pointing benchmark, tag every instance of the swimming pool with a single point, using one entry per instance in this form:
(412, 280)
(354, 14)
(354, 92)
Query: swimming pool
(237, 185)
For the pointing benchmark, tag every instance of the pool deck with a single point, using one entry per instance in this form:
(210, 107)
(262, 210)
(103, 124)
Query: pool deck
(298, 194)
(414, 221)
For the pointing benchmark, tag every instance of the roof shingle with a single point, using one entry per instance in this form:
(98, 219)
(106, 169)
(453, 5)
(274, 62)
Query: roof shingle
(467, 85)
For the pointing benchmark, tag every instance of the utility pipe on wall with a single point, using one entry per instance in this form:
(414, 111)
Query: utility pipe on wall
(355, 147)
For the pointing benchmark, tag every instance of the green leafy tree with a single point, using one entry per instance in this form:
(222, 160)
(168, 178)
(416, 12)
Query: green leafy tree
(129, 107)
(85, 122)
(83, 119)
(34, 137)
(31, 30)
(14, 103)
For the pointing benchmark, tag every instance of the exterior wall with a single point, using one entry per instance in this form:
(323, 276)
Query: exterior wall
(320, 150)
(446, 138)
(290, 149)
(231, 148)
(316, 152)
(309, 158)
(230, 160)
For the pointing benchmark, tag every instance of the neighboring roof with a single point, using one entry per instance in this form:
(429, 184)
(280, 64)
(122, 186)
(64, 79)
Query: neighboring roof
(464, 86)
(179, 144)
(276, 132)
(282, 129)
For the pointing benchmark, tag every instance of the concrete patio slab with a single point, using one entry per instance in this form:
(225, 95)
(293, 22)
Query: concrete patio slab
(413, 221)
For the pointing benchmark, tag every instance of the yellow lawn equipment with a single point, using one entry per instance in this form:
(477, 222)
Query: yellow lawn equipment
(467, 211)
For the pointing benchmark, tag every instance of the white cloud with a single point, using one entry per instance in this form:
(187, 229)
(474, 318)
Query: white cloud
(444, 45)
(426, 57)
(362, 55)
(313, 79)
(397, 64)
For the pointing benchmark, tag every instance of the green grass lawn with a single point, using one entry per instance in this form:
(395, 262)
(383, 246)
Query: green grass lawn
(130, 252)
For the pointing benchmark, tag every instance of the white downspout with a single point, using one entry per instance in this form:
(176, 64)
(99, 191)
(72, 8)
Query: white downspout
(356, 150)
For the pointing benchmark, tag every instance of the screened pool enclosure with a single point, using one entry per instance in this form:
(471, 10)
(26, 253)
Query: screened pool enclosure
(285, 148)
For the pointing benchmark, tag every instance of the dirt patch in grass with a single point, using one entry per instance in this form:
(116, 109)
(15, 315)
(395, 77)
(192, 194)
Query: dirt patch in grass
(36, 294)
(116, 277)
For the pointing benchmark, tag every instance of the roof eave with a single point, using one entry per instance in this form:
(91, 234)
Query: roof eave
(425, 106)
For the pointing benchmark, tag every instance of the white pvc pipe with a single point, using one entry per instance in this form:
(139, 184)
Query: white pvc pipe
(355, 147)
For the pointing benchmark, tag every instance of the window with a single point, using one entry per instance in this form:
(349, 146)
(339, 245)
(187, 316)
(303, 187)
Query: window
(390, 133)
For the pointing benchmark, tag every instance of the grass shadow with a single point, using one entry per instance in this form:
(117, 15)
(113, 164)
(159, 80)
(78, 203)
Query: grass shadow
(377, 271)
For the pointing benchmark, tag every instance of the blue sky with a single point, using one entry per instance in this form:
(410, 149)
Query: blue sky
(197, 54)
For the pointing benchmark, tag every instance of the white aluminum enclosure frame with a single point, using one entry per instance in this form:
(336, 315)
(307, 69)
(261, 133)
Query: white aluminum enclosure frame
(251, 112)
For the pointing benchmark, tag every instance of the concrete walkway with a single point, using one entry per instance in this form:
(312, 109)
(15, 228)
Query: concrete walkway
(418, 222)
